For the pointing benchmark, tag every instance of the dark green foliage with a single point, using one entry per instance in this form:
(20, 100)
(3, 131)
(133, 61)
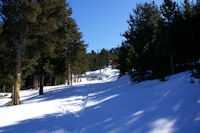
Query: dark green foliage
(52, 41)
(93, 60)
(103, 59)
(18, 16)
(113, 55)
(136, 50)
(163, 41)
(122, 59)
(100, 60)
(76, 61)
(6, 66)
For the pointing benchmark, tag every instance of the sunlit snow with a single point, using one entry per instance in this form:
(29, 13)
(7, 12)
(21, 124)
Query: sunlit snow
(111, 105)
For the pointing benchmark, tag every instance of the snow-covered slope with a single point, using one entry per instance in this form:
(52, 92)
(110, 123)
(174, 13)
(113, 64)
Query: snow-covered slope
(108, 106)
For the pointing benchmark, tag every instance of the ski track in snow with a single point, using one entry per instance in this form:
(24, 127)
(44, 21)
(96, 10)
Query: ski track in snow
(108, 106)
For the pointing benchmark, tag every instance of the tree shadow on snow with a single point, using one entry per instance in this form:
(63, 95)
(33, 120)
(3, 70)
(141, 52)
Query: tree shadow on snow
(140, 108)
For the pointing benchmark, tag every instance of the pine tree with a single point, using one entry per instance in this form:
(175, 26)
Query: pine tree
(75, 51)
(92, 58)
(6, 63)
(18, 16)
(122, 59)
(113, 53)
(156, 40)
(139, 38)
(170, 10)
(195, 35)
(45, 39)
(103, 59)
(53, 15)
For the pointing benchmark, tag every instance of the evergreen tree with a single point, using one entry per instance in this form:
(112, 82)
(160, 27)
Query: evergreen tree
(122, 59)
(156, 40)
(76, 61)
(43, 40)
(113, 53)
(100, 60)
(139, 38)
(6, 63)
(92, 60)
(103, 60)
(195, 36)
(18, 16)
(170, 11)
(53, 15)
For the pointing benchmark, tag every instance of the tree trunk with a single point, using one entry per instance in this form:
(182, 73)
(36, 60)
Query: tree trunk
(55, 83)
(4, 88)
(71, 79)
(58, 81)
(80, 78)
(12, 92)
(172, 64)
(68, 74)
(50, 81)
(41, 92)
(35, 82)
(74, 79)
(18, 61)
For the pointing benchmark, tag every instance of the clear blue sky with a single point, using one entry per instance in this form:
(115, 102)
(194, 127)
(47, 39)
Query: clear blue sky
(102, 21)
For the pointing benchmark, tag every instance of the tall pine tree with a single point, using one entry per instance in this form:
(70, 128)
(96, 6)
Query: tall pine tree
(18, 16)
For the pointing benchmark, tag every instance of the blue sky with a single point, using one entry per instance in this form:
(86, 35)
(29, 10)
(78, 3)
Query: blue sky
(102, 21)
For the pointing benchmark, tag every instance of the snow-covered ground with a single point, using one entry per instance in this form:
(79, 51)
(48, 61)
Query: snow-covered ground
(108, 106)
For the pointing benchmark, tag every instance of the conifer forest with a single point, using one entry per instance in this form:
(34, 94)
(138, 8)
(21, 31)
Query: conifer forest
(41, 46)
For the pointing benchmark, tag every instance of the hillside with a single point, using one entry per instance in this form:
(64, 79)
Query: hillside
(108, 106)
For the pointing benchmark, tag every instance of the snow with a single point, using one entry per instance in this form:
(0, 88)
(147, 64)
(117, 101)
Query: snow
(107, 106)
(97, 75)
(163, 126)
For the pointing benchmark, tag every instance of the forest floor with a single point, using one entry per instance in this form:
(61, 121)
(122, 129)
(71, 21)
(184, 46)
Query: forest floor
(107, 106)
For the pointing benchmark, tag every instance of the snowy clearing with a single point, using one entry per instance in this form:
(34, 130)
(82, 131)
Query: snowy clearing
(107, 106)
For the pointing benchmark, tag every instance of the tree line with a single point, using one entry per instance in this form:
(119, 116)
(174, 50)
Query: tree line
(40, 44)
(102, 59)
(161, 40)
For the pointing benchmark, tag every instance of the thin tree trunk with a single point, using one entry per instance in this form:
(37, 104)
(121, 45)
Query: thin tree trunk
(16, 98)
(80, 78)
(41, 92)
(68, 74)
(4, 88)
(12, 92)
(77, 78)
(55, 83)
(172, 64)
(71, 79)
(74, 78)
(58, 81)
(50, 81)
(35, 82)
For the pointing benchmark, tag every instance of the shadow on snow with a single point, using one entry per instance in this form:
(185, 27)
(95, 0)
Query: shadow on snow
(120, 106)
